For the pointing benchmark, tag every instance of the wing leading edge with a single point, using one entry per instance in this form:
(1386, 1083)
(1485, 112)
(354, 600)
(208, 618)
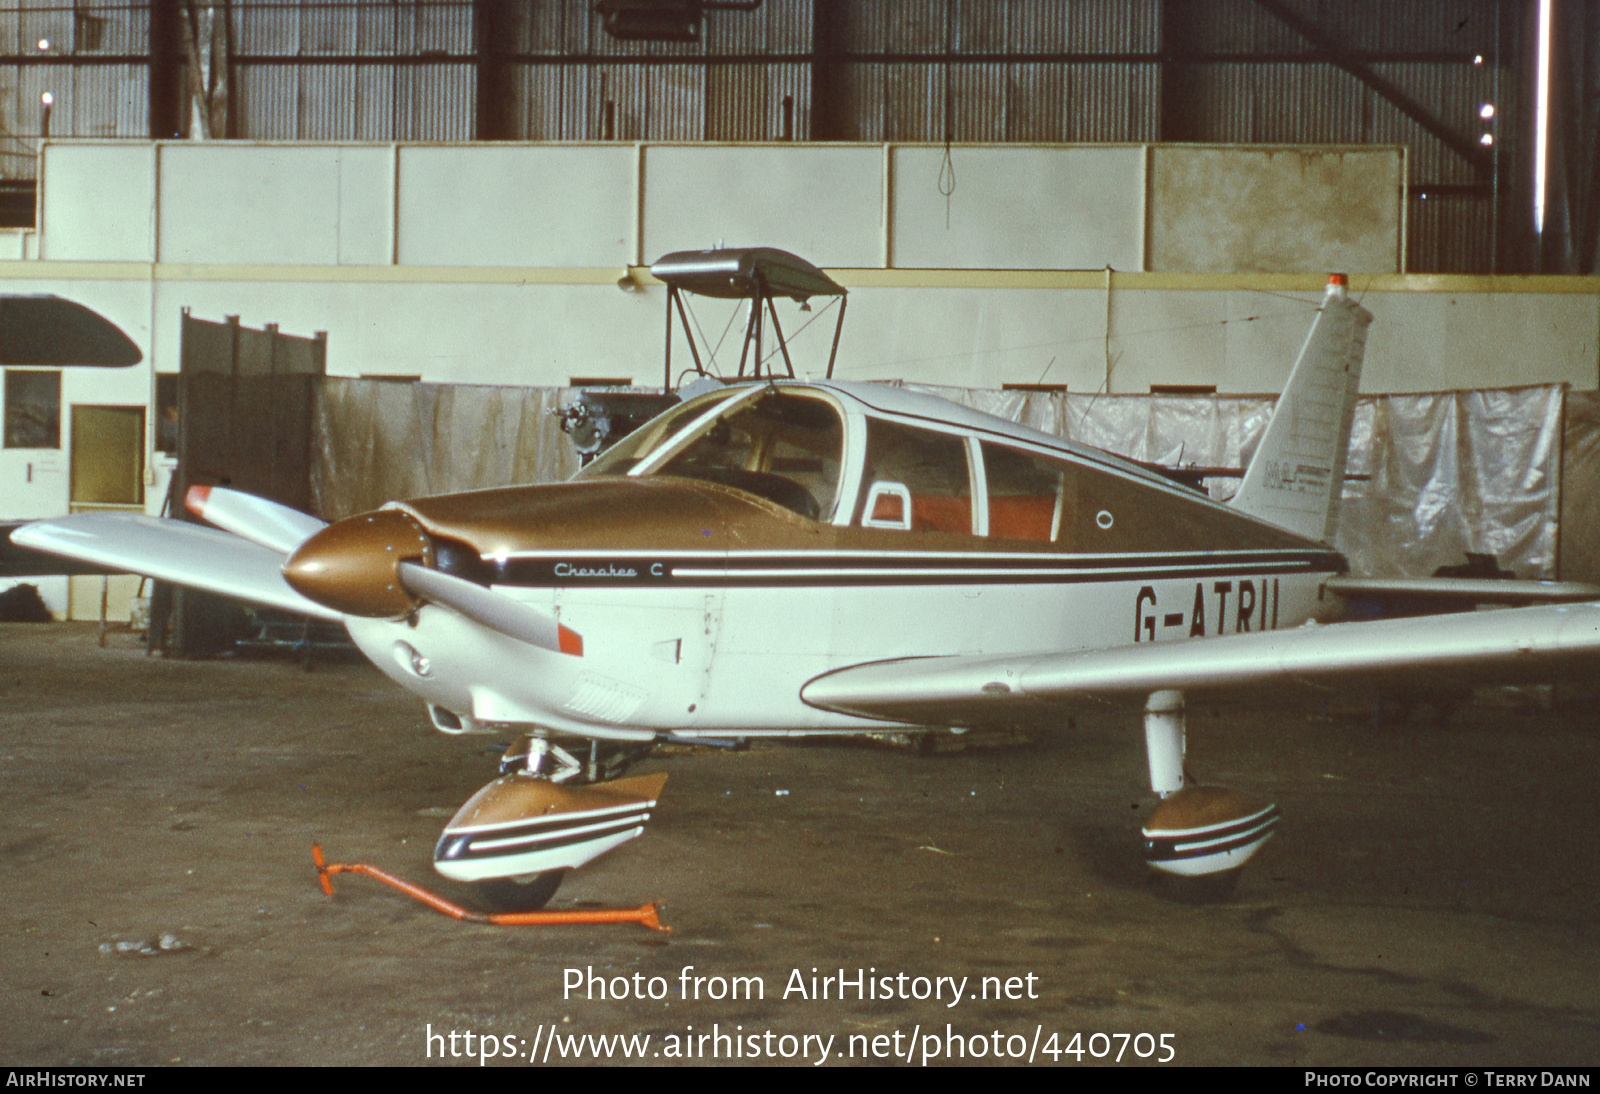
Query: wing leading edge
(175, 551)
(1513, 645)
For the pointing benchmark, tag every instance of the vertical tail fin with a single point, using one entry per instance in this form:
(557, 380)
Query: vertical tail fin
(1297, 474)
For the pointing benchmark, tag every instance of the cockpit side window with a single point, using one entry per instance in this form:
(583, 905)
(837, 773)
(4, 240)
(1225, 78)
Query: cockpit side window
(783, 447)
(928, 466)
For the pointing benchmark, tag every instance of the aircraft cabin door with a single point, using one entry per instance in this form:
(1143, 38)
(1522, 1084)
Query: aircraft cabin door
(106, 474)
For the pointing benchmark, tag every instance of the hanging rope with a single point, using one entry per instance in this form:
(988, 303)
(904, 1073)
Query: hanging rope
(947, 167)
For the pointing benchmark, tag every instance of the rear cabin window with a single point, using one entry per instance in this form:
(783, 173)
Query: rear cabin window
(931, 467)
(1027, 494)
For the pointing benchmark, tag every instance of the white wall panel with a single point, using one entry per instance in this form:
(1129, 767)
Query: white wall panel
(823, 202)
(275, 204)
(225, 203)
(956, 336)
(301, 210)
(98, 201)
(988, 337)
(366, 205)
(516, 205)
(1018, 208)
(1450, 341)
(441, 331)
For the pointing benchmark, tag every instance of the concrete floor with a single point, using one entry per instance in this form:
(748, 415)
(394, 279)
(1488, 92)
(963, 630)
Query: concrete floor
(1431, 897)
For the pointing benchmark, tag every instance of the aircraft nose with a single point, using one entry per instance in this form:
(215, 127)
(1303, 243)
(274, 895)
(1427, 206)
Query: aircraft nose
(351, 565)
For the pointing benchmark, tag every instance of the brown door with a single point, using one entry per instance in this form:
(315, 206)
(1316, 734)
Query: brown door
(107, 472)
(107, 456)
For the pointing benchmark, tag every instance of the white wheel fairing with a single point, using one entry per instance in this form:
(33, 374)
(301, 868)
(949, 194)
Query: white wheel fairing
(521, 824)
(1211, 848)
(530, 861)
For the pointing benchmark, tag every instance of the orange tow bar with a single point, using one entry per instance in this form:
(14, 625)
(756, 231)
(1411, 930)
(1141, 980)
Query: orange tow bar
(645, 914)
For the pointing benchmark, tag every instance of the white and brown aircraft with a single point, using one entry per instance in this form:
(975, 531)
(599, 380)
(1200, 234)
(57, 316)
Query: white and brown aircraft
(785, 558)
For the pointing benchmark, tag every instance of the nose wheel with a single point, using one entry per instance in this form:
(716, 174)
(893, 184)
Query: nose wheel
(519, 894)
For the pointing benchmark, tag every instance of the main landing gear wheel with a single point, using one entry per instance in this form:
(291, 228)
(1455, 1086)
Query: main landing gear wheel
(519, 894)
(1199, 837)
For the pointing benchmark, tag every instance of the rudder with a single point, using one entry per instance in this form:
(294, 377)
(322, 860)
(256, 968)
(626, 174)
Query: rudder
(1297, 474)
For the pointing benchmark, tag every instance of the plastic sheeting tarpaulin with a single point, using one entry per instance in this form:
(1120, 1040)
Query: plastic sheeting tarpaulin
(1453, 472)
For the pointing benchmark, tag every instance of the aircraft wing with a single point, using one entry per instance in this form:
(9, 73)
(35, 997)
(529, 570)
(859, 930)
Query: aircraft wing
(175, 551)
(1511, 645)
(18, 561)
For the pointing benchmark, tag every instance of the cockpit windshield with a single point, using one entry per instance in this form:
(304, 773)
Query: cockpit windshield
(778, 445)
(627, 453)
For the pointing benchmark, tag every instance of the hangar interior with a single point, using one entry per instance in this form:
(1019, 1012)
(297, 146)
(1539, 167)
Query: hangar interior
(368, 248)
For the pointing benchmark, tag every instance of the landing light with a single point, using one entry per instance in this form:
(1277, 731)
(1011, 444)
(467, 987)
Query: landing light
(408, 657)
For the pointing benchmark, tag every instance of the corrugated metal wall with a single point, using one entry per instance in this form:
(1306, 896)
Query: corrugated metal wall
(87, 57)
(1253, 71)
(357, 70)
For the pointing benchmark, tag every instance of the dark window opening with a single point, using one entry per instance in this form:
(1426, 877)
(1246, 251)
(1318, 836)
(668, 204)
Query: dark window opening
(167, 413)
(33, 408)
(17, 203)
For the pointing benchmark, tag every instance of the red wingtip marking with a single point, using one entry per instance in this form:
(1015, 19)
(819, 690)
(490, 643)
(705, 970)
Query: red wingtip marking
(571, 641)
(195, 500)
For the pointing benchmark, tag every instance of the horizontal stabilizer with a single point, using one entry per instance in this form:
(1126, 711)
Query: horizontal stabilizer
(172, 550)
(1462, 590)
(1464, 650)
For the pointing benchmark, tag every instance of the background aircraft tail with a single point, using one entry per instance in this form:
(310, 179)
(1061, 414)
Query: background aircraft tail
(1297, 474)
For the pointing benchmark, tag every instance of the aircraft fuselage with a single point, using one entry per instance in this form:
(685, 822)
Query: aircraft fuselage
(703, 606)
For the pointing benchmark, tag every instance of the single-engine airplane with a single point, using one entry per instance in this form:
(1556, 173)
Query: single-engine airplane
(785, 558)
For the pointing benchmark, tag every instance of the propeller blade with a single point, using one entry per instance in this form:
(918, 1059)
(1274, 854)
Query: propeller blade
(499, 613)
(253, 518)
